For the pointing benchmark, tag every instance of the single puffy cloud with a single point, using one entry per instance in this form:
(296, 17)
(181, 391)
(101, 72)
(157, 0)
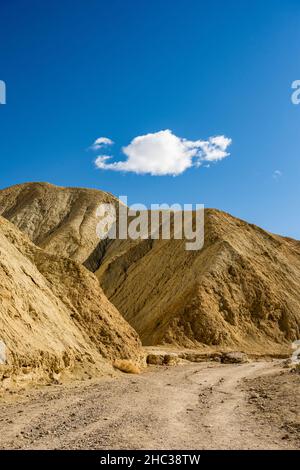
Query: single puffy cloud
(101, 142)
(163, 153)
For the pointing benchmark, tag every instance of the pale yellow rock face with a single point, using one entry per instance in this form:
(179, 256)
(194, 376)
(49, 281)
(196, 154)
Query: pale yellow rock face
(54, 317)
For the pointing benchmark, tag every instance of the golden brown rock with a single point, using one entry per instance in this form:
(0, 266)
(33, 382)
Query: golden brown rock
(54, 317)
(241, 291)
(61, 220)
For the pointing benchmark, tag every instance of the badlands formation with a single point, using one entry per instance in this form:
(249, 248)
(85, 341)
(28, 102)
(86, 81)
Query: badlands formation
(72, 304)
(55, 320)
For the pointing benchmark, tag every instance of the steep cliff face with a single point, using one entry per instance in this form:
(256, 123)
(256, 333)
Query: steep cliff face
(54, 317)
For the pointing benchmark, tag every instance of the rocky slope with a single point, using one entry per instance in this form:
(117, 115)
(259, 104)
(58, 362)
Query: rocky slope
(240, 291)
(61, 220)
(54, 318)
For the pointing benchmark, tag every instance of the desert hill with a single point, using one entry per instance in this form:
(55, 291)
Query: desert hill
(54, 317)
(240, 291)
(61, 220)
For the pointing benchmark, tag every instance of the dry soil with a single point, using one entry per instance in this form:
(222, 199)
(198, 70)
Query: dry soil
(190, 406)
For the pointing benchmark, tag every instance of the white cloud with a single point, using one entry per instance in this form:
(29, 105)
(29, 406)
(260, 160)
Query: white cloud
(277, 174)
(101, 142)
(163, 153)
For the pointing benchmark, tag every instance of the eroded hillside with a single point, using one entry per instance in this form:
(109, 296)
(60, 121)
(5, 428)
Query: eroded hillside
(61, 220)
(240, 291)
(54, 317)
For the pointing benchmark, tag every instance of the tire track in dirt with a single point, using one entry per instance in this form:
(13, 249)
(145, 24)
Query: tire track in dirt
(190, 406)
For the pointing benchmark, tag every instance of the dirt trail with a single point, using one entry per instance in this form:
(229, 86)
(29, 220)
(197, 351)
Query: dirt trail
(192, 406)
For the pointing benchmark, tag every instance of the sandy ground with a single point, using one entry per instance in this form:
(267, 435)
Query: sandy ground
(190, 406)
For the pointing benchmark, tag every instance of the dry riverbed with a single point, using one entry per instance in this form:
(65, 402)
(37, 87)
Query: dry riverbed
(189, 406)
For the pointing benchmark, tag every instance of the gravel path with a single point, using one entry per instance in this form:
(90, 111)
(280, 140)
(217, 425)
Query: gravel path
(190, 406)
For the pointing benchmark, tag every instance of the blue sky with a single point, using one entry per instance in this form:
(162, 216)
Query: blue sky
(78, 70)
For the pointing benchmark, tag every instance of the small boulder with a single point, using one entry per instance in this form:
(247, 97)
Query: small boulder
(296, 369)
(155, 359)
(234, 358)
(171, 359)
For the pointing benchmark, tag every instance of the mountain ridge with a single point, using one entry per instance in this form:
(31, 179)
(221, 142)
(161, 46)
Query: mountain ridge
(240, 291)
